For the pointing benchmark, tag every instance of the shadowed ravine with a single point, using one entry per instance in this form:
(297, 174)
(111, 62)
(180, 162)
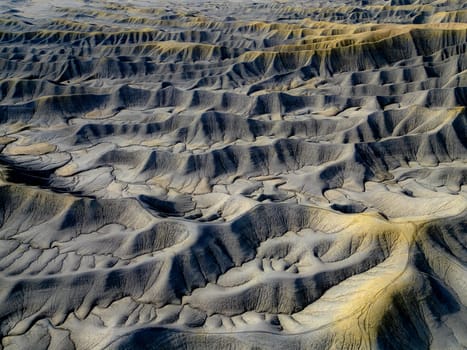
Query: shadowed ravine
(233, 175)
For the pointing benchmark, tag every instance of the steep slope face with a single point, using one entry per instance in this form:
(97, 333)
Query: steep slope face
(233, 175)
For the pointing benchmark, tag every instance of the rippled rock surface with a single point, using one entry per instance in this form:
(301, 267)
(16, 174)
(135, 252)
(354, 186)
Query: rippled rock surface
(214, 174)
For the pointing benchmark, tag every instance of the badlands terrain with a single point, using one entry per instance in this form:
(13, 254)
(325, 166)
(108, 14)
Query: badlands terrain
(233, 175)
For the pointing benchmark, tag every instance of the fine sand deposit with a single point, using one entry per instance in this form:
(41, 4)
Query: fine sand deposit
(233, 175)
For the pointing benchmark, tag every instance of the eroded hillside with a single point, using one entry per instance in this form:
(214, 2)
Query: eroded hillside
(233, 175)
